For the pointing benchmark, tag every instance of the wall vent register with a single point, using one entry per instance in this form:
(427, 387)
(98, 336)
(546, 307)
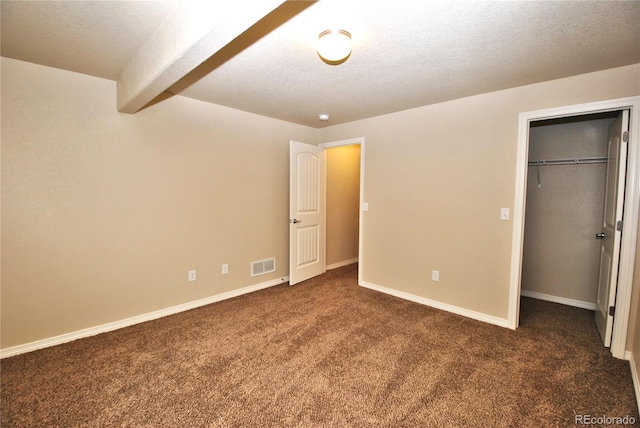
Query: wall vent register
(262, 267)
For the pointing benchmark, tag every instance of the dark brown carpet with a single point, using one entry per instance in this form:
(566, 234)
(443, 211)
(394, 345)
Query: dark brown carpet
(323, 353)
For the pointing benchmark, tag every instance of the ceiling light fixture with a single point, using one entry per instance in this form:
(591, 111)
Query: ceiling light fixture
(334, 46)
(323, 117)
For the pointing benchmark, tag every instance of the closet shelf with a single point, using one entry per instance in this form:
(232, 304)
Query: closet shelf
(570, 161)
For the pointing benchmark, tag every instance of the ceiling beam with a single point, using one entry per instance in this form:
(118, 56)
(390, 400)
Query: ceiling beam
(267, 24)
(184, 40)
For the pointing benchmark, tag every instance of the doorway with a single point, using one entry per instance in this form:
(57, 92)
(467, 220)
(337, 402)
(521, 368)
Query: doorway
(346, 165)
(631, 208)
(566, 176)
(343, 202)
(345, 196)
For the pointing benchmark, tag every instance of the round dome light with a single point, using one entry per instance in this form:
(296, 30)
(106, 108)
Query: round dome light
(334, 46)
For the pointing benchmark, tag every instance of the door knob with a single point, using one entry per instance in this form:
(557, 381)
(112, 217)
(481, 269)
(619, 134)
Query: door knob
(601, 235)
(295, 221)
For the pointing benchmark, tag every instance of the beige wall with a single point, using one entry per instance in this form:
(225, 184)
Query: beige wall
(104, 213)
(436, 178)
(343, 201)
(561, 257)
(633, 333)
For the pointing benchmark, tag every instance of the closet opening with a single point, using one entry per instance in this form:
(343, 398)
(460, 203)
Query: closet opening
(630, 193)
(575, 186)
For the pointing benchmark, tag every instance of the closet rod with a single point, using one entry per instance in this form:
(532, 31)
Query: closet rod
(572, 161)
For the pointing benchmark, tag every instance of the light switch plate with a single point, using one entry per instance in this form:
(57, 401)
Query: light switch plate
(504, 213)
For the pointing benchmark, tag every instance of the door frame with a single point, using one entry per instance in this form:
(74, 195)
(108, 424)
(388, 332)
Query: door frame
(361, 142)
(630, 211)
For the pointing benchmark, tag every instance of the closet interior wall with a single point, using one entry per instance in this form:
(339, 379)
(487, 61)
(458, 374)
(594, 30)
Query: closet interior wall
(564, 209)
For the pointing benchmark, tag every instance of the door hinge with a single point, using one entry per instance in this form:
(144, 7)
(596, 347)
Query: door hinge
(625, 137)
(612, 311)
(619, 226)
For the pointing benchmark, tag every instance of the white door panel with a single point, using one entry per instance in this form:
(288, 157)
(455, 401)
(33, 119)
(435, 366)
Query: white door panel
(306, 212)
(610, 236)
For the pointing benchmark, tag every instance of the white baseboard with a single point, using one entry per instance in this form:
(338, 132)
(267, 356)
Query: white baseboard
(557, 299)
(479, 316)
(342, 263)
(92, 331)
(634, 375)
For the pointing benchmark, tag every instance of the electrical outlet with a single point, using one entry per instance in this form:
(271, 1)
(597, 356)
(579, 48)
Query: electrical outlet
(435, 275)
(192, 275)
(225, 269)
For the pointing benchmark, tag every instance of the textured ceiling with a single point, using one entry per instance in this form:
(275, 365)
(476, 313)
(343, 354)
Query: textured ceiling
(406, 53)
(90, 37)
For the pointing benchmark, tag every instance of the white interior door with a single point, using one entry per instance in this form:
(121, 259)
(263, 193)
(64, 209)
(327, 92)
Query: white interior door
(610, 235)
(307, 216)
